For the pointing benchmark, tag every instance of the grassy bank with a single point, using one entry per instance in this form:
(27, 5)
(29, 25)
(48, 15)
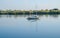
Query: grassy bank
(28, 12)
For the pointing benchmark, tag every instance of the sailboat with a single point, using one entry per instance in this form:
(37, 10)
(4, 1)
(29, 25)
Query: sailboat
(33, 17)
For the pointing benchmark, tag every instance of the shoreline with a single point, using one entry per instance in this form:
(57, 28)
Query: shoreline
(37, 13)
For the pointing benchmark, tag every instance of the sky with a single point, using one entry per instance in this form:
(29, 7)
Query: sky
(29, 4)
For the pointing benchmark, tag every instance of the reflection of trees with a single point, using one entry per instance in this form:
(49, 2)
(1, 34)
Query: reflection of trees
(39, 16)
(0, 16)
(55, 15)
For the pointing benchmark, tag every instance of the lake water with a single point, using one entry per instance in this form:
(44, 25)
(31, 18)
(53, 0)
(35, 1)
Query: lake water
(18, 26)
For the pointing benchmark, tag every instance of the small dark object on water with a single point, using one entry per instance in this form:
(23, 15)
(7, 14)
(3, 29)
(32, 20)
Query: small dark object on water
(33, 18)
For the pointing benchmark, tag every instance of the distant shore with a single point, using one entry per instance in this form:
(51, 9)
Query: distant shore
(25, 12)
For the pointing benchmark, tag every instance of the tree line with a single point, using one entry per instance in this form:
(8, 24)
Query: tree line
(20, 12)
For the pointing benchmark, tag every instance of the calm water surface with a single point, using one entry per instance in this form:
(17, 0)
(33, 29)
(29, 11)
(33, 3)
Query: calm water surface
(13, 26)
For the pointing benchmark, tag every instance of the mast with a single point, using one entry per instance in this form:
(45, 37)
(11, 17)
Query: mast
(35, 6)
